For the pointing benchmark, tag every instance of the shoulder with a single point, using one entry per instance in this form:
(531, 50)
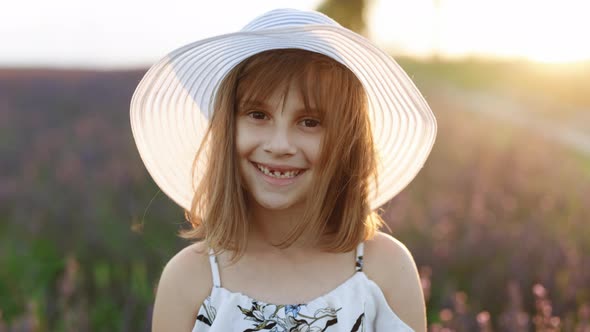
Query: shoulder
(184, 284)
(389, 263)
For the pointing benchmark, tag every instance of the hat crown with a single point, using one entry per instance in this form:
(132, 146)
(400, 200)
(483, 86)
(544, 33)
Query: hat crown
(284, 17)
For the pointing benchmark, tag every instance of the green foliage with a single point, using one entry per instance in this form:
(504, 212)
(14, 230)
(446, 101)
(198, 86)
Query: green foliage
(27, 272)
(105, 314)
(140, 286)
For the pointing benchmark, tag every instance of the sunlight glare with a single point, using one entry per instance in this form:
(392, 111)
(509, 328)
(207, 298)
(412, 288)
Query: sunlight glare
(542, 31)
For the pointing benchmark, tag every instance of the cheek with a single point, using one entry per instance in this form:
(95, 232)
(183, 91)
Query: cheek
(312, 146)
(243, 150)
(244, 141)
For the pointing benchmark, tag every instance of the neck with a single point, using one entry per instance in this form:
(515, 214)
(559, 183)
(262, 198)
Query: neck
(270, 227)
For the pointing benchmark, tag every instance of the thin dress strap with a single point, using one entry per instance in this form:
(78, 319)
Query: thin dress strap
(214, 269)
(359, 256)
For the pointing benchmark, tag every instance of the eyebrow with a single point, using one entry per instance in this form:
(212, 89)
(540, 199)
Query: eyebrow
(262, 105)
(252, 103)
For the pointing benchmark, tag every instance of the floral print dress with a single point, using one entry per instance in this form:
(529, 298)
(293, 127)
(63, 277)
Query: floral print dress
(358, 304)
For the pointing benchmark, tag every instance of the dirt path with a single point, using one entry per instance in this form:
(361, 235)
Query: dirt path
(517, 114)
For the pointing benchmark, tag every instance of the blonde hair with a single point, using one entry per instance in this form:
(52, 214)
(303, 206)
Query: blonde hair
(337, 211)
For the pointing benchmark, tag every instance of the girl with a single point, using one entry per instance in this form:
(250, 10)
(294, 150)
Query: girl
(280, 141)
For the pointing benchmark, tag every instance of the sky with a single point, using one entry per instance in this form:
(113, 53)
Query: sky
(136, 33)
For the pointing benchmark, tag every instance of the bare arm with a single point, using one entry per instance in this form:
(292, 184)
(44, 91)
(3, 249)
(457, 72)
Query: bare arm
(390, 264)
(184, 285)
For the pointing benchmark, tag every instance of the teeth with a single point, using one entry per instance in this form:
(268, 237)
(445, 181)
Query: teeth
(277, 174)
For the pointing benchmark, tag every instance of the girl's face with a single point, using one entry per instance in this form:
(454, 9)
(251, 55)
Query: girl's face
(278, 144)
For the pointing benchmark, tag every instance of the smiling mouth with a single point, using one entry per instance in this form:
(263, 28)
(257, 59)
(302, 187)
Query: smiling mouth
(279, 174)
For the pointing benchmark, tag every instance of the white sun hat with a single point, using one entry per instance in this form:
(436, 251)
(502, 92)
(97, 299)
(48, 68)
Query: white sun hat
(173, 102)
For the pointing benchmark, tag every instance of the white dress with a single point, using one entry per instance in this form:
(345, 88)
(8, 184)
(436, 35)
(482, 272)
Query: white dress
(358, 304)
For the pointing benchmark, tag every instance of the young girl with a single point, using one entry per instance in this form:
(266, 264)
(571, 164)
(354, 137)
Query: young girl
(280, 141)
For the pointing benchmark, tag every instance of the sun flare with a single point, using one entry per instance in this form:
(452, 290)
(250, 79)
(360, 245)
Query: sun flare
(542, 31)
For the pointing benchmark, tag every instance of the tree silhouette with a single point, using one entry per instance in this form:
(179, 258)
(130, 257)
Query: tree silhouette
(349, 13)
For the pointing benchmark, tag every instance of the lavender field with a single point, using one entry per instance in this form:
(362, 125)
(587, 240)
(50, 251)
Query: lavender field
(497, 220)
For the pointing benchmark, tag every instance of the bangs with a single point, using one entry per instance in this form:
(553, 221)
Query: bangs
(318, 78)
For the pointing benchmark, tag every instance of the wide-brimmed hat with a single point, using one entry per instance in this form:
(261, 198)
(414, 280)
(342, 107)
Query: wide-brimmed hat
(172, 104)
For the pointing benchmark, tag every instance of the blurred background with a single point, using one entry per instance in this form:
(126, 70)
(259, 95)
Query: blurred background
(497, 220)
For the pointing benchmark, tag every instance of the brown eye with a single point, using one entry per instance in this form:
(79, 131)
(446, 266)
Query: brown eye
(257, 115)
(311, 123)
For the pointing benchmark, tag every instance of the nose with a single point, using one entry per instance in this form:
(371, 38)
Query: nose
(280, 143)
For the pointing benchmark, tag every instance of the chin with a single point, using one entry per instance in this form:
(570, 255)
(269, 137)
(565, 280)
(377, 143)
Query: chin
(275, 203)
